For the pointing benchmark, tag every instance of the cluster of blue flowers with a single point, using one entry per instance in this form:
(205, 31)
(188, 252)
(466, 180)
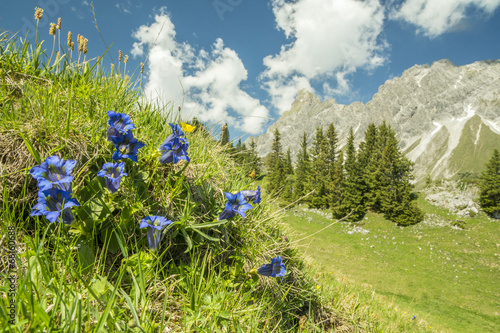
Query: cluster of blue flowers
(54, 180)
(54, 197)
(175, 146)
(237, 203)
(120, 133)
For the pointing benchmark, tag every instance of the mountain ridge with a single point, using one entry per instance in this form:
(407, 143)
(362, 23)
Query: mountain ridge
(429, 106)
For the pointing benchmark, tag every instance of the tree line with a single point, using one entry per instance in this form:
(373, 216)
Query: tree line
(376, 176)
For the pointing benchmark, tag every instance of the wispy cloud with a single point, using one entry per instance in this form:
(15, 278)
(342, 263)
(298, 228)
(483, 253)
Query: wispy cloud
(329, 41)
(435, 17)
(207, 81)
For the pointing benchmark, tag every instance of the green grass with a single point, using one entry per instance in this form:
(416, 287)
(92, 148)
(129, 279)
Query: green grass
(97, 274)
(446, 276)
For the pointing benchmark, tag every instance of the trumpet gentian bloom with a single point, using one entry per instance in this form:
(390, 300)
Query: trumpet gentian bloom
(112, 172)
(275, 268)
(177, 130)
(155, 224)
(54, 172)
(54, 204)
(127, 148)
(119, 123)
(236, 204)
(174, 149)
(252, 195)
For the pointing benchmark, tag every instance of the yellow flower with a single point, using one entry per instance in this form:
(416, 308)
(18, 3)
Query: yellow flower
(252, 174)
(52, 29)
(38, 13)
(317, 287)
(187, 127)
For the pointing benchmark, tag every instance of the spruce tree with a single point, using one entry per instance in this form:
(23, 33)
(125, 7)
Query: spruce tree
(224, 136)
(302, 171)
(275, 165)
(369, 157)
(337, 188)
(489, 196)
(319, 172)
(395, 184)
(331, 150)
(353, 186)
(252, 161)
(287, 193)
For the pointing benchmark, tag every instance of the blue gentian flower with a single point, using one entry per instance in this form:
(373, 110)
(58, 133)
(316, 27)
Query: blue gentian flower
(127, 148)
(275, 268)
(155, 224)
(173, 149)
(54, 204)
(252, 195)
(54, 172)
(236, 204)
(112, 172)
(119, 123)
(177, 130)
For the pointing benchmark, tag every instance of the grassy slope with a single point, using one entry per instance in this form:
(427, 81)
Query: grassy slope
(479, 141)
(97, 274)
(447, 276)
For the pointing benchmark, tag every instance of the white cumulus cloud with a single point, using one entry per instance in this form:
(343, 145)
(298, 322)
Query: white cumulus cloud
(435, 17)
(329, 41)
(208, 82)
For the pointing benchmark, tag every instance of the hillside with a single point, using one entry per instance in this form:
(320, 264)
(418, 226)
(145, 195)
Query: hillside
(151, 254)
(446, 117)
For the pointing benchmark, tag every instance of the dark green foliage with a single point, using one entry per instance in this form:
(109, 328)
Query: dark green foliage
(489, 197)
(394, 192)
(353, 199)
(319, 170)
(302, 171)
(224, 136)
(276, 166)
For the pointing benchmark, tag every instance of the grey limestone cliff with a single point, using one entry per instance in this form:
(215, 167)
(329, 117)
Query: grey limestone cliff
(446, 117)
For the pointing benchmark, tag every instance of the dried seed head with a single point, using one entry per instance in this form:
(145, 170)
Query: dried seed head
(52, 29)
(120, 55)
(80, 43)
(142, 67)
(58, 23)
(69, 39)
(72, 46)
(112, 68)
(126, 59)
(85, 45)
(38, 13)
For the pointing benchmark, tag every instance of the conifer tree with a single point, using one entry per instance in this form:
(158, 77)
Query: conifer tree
(337, 188)
(395, 187)
(224, 136)
(302, 171)
(319, 172)
(369, 157)
(352, 199)
(276, 165)
(489, 196)
(331, 150)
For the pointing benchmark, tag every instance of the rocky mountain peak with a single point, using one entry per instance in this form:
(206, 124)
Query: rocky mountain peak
(429, 107)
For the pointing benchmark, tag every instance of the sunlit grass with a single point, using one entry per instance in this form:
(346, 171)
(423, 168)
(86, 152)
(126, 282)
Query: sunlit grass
(442, 274)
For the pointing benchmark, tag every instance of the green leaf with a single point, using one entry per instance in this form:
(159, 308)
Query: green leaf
(208, 225)
(85, 258)
(30, 148)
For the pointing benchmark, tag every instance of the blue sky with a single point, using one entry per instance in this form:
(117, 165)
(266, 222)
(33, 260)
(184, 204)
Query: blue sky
(243, 61)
